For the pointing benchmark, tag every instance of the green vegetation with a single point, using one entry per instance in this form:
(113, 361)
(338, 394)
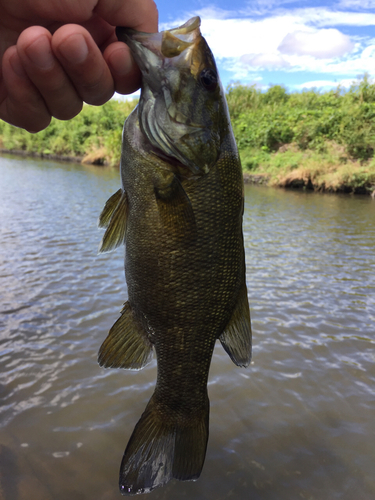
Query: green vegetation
(311, 139)
(94, 135)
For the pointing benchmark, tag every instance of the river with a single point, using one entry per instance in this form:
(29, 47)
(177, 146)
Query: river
(299, 423)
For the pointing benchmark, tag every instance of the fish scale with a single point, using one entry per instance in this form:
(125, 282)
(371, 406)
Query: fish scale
(179, 213)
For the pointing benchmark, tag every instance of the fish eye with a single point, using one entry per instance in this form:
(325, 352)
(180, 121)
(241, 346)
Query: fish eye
(208, 79)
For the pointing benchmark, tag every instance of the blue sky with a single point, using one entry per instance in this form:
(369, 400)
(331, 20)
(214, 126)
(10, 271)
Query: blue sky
(299, 44)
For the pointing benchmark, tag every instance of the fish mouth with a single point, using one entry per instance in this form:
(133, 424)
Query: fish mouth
(175, 47)
(171, 62)
(177, 40)
(165, 44)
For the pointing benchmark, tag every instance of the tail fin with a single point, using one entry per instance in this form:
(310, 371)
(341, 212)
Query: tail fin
(161, 449)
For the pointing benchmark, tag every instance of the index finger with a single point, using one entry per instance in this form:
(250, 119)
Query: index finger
(141, 15)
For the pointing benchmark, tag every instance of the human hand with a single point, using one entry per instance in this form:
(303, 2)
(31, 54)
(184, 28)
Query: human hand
(49, 68)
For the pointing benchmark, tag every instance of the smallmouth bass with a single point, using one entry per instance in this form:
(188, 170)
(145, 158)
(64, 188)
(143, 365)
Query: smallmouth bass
(179, 213)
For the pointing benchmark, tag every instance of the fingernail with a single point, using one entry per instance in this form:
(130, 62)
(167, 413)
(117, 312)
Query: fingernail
(40, 53)
(74, 49)
(17, 67)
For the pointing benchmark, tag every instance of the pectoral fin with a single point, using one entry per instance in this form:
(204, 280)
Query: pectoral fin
(236, 338)
(114, 217)
(175, 210)
(109, 208)
(127, 344)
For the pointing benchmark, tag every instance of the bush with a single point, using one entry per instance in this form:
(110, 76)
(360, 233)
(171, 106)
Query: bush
(94, 128)
(270, 119)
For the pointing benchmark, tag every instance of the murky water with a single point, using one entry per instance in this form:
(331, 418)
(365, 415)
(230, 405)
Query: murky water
(299, 423)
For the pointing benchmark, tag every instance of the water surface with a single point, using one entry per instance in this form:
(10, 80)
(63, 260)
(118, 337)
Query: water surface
(298, 423)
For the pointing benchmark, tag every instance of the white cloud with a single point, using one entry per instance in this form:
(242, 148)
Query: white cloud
(308, 16)
(238, 71)
(236, 37)
(270, 60)
(363, 63)
(323, 44)
(324, 84)
(322, 17)
(267, 37)
(289, 34)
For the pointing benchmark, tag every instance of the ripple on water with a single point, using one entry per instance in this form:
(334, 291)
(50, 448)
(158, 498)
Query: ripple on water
(298, 423)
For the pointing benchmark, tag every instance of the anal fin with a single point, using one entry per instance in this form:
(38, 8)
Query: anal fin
(236, 338)
(127, 344)
(115, 219)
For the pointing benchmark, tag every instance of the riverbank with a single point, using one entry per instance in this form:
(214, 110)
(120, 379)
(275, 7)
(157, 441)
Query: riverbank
(287, 168)
(309, 140)
(296, 173)
(331, 170)
(94, 136)
(28, 154)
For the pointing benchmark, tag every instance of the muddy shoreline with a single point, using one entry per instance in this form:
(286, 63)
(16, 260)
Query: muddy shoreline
(304, 185)
(27, 154)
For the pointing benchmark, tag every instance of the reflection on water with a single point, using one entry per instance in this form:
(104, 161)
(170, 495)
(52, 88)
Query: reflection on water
(298, 423)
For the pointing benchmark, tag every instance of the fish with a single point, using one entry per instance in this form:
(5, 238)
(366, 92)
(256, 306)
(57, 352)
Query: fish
(179, 213)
